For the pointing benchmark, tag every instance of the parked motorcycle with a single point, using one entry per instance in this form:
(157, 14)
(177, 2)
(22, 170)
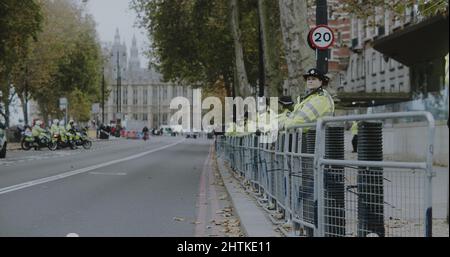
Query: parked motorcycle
(81, 138)
(44, 140)
(60, 143)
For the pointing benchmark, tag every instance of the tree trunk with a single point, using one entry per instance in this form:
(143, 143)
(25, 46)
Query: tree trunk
(295, 29)
(6, 99)
(274, 77)
(24, 102)
(241, 74)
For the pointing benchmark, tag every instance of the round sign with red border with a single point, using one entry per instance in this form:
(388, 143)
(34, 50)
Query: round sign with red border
(321, 37)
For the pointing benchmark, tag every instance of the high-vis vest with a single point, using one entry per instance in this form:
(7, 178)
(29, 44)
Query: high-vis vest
(317, 105)
(37, 131)
(355, 128)
(283, 117)
(54, 129)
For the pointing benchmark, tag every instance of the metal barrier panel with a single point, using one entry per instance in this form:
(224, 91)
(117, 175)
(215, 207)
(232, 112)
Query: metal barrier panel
(305, 175)
(401, 211)
(381, 198)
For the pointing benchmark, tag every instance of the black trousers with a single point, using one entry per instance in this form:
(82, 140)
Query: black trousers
(355, 143)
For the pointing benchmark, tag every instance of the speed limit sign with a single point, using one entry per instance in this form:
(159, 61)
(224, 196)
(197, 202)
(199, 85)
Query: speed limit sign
(321, 37)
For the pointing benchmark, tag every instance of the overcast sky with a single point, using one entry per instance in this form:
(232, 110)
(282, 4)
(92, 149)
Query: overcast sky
(112, 14)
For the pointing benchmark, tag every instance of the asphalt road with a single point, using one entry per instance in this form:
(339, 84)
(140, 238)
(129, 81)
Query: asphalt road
(118, 188)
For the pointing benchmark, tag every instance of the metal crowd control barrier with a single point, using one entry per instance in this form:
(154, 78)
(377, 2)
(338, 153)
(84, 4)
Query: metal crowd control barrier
(305, 176)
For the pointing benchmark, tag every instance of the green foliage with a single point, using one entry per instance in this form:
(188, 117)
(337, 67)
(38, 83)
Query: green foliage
(65, 57)
(196, 46)
(20, 21)
(80, 105)
(366, 8)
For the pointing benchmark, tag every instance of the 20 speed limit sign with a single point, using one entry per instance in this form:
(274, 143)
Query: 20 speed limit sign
(321, 37)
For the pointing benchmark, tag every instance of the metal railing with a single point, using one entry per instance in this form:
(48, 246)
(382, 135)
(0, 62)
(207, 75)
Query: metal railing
(307, 177)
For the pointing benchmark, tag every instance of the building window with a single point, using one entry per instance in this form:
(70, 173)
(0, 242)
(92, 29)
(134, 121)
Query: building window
(374, 59)
(155, 94)
(368, 67)
(358, 68)
(383, 90)
(381, 64)
(145, 97)
(135, 116)
(352, 68)
(330, 12)
(155, 120)
(145, 117)
(165, 93)
(392, 87)
(391, 64)
(125, 96)
(165, 118)
(135, 96)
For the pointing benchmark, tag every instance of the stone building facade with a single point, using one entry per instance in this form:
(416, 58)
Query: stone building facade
(144, 97)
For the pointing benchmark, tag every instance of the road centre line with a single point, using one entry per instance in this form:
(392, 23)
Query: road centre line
(80, 171)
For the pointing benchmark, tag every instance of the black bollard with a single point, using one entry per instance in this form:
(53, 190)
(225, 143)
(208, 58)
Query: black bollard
(370, 180)
(334, 203)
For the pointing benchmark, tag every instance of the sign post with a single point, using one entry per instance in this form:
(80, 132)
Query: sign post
(63, 104)
(320, 39)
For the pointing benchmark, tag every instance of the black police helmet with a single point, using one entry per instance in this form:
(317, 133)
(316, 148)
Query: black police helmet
(285, 100)
(316, 73)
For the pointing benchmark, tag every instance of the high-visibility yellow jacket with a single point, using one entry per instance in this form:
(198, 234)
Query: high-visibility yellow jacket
(355, 128)
(283, 117)
(230, 129)
(316, 105)
(37, 131)
(54, 129)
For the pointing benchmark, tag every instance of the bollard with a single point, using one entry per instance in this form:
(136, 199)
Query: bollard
(334, 201)
(370, 180)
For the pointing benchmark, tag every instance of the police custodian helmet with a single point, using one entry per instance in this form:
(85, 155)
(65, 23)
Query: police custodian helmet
(316, 73)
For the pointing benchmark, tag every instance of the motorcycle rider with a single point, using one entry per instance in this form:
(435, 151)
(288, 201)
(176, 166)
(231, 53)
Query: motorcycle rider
(54, 129)
(62, 131)
(70, 130)
(70, 126)
(37, 132)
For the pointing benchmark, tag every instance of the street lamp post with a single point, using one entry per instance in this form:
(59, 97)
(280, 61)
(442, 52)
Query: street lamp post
(118, 84)
(103, 95)
(26, 97)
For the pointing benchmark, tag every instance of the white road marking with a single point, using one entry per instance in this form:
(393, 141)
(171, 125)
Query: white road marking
(80, 171)
(73, 235)
(108, 174)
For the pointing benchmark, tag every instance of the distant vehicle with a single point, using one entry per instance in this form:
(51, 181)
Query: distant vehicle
(167, 130)
(192, 134)
(3, 142)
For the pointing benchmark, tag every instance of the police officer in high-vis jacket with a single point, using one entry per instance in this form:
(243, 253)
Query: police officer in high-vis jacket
(318, 102)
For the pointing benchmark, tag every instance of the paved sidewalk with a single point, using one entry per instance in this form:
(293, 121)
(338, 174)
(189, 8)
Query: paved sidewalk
(254, 220)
